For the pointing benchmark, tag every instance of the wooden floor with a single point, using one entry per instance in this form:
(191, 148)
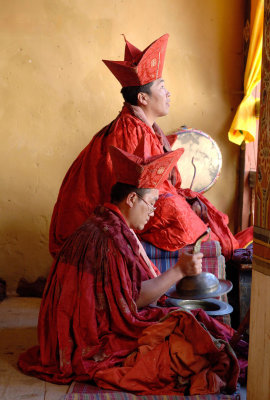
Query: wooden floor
(18, 321)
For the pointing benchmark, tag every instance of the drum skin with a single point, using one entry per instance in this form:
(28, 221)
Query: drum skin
(201, 163)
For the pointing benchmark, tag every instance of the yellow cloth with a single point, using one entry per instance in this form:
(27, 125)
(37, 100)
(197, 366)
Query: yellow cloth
(243, 127)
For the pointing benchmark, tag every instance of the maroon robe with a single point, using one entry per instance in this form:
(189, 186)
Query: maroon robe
(89, 322)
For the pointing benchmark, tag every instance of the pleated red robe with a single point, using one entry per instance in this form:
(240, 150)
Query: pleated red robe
(89, 180)
(89, 322)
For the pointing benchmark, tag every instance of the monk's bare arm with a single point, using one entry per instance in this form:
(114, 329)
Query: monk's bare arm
(152, 289)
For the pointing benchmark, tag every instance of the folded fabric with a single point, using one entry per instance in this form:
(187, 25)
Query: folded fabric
(245, 237)
(213, 261)
(210, 248)
(176, 355)
(243, 256)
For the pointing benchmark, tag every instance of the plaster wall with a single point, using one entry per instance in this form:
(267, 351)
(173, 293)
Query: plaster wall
(55, 94)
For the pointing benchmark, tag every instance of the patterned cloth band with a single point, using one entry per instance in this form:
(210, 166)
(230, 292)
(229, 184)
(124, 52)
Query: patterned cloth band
(83, 391)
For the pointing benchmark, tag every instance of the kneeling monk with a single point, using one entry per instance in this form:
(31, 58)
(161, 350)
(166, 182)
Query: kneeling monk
(90, 178)
(100, 318)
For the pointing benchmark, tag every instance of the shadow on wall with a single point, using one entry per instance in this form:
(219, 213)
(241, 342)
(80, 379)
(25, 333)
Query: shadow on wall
(228, 182)
(24, 248)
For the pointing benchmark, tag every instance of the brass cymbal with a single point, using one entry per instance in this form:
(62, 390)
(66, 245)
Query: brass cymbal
(201, 286)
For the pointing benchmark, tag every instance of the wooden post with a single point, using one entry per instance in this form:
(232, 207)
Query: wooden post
(258, 386)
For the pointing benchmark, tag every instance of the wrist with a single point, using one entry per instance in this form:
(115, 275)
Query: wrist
(178, 271)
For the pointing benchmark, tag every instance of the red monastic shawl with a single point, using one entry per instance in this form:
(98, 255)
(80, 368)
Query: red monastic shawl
(89, 180)
(89, 324)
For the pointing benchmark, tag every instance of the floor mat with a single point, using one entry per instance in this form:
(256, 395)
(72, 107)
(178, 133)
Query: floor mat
(84, 391)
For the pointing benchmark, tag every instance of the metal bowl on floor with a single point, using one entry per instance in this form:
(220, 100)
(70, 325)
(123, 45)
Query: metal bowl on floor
(212, 307)
(202, 286)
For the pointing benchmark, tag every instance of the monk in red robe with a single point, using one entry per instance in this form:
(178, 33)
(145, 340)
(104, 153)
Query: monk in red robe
(90, 178)
(99, 318)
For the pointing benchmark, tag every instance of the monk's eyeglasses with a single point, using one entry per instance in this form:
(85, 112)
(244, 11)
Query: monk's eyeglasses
(151, 208)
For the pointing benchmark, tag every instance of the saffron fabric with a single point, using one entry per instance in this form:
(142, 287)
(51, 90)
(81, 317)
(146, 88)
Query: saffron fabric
(243, 127)
(90, 328)
(175, 355)
(89, 180)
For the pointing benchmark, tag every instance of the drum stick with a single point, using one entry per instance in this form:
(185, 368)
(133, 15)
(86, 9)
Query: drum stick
(197, 244)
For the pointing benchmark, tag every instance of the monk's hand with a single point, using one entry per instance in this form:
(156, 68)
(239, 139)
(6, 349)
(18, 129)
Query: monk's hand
(190, 264)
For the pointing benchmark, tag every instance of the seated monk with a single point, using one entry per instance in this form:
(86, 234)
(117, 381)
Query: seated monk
(100, 319)
(90, 178)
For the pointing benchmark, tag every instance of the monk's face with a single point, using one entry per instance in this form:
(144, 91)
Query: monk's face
(143, 209)
(159, 99)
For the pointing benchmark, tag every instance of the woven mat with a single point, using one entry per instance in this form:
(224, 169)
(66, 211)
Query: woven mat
(83, 391)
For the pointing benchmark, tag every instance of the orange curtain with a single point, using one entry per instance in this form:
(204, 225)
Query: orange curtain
(243, 127)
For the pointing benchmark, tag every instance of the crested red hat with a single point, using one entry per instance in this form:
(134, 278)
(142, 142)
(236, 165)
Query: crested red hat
(140, 67)
(141, 171)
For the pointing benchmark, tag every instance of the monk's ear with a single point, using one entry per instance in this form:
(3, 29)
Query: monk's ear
(142, 98)
(131, 199)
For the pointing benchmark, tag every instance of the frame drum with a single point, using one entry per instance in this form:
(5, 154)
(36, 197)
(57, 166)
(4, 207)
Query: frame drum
(200, 165)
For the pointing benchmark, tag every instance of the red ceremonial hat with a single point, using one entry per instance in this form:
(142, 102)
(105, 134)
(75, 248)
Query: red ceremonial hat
(141, 171)
(140, 67)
